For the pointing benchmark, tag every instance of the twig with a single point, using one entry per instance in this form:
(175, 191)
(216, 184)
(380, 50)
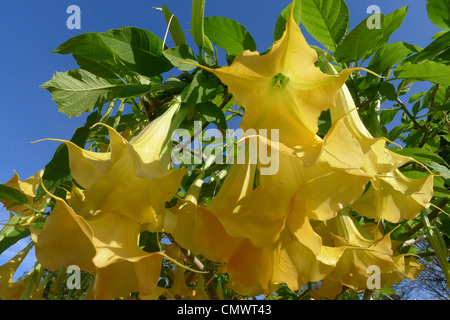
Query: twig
(405, 109)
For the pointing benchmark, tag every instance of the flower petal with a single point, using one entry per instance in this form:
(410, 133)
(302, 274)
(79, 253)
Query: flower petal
(64, 240)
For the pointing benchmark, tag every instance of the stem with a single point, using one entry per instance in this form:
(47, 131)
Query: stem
(433, 215)
(427, 136)
(405, 109)
(355, 88)
(367, 294)
(437, 243)
(365, 104)
(446, 119)
(199, 266)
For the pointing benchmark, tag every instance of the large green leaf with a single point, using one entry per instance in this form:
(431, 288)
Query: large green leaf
(439, 46)
(362, 42)
(229, 35)
(439, 13)
(328, 21)
(391, 22)
(79, 91)
(125, 50)
(359, 42)
(179, 55)
(390, 55)
(425, 71)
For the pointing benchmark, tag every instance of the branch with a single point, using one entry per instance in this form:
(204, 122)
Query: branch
(405, 109)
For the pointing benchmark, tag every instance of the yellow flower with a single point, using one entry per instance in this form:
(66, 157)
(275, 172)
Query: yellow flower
(261, 234)
(124, 193)
(195, 228)
(283, 89)
(27, 187)
(105, 244)
(9, 289)
(133, 178)
(259, 208)
(365, 247)
(391, 195)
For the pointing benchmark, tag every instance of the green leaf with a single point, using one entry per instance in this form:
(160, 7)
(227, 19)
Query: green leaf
(422, 155)
(445, 107)
(79, 91)
(438, 244)
(174, 27)
(440, 169)
(362, 42)
(437, 47)
(148, 241)
(211, 113)
(181, 54)
(416, 96)
(403, 87)
(439, 13)
(10, 233)
(128, 50)
(328, 21)
(395, 133)
(202, 88)
(359, 42)
(391, 22)
(388, 90)
(324, 123)
(8, 193)
(425, 71)
(229, 35)
(101, 69)
(386, 116)
(390, 55)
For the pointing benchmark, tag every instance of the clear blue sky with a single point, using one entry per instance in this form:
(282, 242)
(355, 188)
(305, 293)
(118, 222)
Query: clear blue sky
(30, 29)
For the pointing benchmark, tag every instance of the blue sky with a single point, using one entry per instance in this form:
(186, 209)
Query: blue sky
(31, 29)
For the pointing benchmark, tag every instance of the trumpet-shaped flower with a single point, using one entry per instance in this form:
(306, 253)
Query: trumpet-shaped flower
(260, 241)
(283, 89)
(258, 210)
(27, 187)
(133, 178)
(105, 244)
(363, 248)
(9, 289)
(391, 195)
(124, 193)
